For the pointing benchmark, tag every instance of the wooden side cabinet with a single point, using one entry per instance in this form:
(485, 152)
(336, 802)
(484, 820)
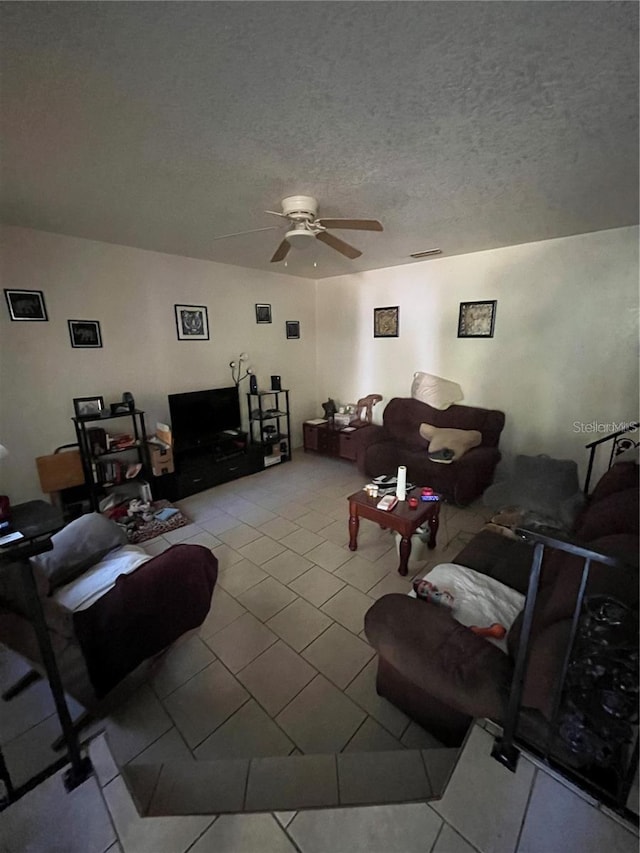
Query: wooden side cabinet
(329, 440)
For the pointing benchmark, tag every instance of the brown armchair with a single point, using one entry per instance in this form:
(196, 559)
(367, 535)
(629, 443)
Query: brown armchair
(382, 449)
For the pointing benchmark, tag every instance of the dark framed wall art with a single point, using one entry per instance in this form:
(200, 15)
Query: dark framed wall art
(386, 322)
(293, 329)
(26, 305)
(85, 334)
(263, 313)
(477, 319)
(192, 322)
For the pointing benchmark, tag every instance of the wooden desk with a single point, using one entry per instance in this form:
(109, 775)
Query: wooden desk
(402, 519)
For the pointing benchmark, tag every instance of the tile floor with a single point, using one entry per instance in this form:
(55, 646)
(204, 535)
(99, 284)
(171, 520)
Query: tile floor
(290, 600)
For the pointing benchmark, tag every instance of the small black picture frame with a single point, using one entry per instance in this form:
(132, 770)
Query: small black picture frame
(477, 319)
(263, 313)
(26, 305)
(85, 334)
(293, 329)
(386, 322)
(192, 322)
(87, 408)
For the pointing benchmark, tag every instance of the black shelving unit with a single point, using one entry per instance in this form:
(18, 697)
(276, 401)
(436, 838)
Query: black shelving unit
(269, 425)
(101, 465)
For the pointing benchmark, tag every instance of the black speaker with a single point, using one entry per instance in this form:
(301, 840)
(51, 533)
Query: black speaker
(253, 384)
(276, 384)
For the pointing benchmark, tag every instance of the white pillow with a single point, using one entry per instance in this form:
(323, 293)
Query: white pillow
(435, 391)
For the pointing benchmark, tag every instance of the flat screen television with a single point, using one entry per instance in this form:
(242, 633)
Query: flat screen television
(198, 417)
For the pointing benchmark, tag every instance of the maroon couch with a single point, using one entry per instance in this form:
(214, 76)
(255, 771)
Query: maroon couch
(443, 675)
(381, 449)
(138, 618)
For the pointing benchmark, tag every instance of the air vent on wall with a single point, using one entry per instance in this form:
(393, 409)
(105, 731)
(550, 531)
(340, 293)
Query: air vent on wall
(427, 254)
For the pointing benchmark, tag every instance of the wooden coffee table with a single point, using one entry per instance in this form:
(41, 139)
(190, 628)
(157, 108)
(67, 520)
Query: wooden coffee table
(402, 519)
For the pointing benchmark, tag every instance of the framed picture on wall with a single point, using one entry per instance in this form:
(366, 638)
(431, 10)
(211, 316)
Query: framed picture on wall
(386, 322)
(293, 329)
(263, 313)
(192, 322)
(26, 304)
(85, 334)
(477, 319)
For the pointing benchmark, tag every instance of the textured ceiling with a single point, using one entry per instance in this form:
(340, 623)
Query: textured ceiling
(465, 126)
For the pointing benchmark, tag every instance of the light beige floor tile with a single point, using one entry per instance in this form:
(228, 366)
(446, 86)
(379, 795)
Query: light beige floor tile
(102, 761)
(371, 737)
(305, 781)
(319, 733)
(273, 693)
(338, 532)
(329, 556)
(205, 702)
(51, 819)
(224, 609)
(363, 691)
(450, 842)
(204, 538)
(484, 801)
(284, 818)
(174, 537)
(31, 751)
(278, 528)
(374, 550)
(383, 777)
(226, 557)
(556, 814)
(361, 573)
(400, 828)
(156, 546)
(199, 788)
(238, 536)
(415, 737)
(391, 583)
(220, 522)
(287, 566)
(315, 521)
(338, 654)
(142, 835)
(239, 577)
(299, 624)
(170, 747)
(249, 733)
(178, 664)
(439, 764)
(259, 516)
(266, 598)
(262, 550)
(134, 725)
(25, 710)
(302, 541)
(292, 511)
(241, 641)
(254, 833)
(348, 608)
(317, 585)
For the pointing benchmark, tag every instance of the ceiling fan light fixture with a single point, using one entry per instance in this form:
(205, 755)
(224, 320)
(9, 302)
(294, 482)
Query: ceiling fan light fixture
(300, 238)
(428, 253)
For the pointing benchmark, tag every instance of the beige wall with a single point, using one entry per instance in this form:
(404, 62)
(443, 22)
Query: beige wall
(132, 293)
(565, 347)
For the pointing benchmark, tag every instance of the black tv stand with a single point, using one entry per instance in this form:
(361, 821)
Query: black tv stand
(216, 460)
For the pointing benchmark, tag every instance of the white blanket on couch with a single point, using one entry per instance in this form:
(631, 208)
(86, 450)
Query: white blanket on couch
(478, 599)
(99, 579)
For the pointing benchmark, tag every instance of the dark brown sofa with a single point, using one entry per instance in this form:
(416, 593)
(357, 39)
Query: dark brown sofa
(381, 449)
(443, 675)
(140, 616)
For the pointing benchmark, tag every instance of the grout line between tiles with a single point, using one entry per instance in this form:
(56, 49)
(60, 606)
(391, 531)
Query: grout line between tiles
(534, 779)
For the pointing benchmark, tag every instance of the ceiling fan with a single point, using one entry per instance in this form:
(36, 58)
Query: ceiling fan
(304, 225)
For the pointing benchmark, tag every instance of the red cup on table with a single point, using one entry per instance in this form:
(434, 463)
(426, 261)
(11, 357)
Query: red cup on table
(413, 503)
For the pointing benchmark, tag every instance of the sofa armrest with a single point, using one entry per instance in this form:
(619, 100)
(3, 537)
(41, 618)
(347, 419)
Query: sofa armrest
(439, 655)
(366, 436)
(474, 473)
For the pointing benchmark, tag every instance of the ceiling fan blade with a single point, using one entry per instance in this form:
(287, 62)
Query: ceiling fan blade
(339, 245)
(281, 252)
(275, 213)
(354, 224)
(240, 233)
